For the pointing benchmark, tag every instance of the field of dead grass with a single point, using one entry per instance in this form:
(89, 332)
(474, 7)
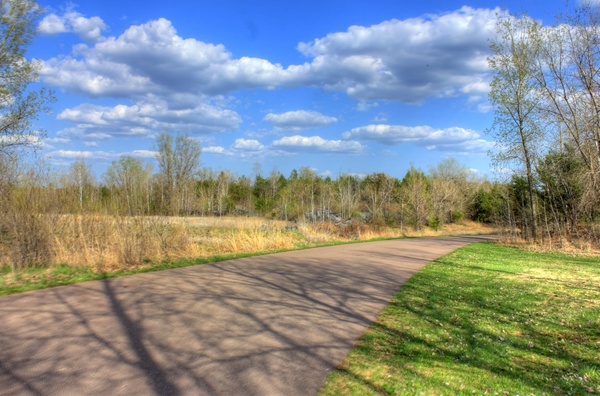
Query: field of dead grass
(562, 245)
(113, 243)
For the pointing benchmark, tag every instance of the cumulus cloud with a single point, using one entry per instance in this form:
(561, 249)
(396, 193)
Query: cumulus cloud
(242, 149)
(316, 144)
(294, 121)
(407, 60)
(458, 140)
(286, 146)
(145, 118)
(173, 83)
(52, 24)
(213, 149)
(99, 155)
(153, 58)
(248, 145)
(89, 29)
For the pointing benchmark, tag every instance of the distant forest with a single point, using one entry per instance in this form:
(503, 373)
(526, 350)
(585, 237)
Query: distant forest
(446, 193)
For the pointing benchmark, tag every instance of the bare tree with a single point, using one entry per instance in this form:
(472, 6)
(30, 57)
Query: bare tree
(223, 182)
(516, 97)
(449, 190)
(348, 194)
(178, 160)
(414, 195)
(308, 183)
(569, 72)
(378, 191)
(81, 177)
(132, 181)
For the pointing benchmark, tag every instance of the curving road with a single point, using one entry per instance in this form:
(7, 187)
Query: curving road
(269, 325)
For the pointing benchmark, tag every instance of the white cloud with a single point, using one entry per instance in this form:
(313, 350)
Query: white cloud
(99, 155)
(143, 153)
(241, 149)
(248, 145)
(153, 58)
(174, 83)
(52, 24)
(145, 118)
(406, 60)
(294, 121)
(89, 29)
(19, 140)
(458, 140)
(213, 149)
(316, 144)
(409, 60)
(74, 154)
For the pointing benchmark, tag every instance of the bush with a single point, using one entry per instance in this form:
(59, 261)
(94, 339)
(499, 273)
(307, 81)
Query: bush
(457, 217)
(31, 241)
(434, 222)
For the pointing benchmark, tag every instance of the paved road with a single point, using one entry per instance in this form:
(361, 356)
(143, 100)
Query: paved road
(270, 325)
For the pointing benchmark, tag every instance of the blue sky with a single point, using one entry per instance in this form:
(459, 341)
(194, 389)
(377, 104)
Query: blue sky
(339, 86)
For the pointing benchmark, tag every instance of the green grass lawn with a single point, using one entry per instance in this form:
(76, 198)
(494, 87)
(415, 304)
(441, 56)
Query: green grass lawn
(485, 319)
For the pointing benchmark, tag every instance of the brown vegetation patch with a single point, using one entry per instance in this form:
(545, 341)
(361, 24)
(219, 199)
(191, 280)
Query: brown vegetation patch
(108, 243)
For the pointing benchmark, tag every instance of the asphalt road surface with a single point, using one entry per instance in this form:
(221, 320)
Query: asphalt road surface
(269, 325)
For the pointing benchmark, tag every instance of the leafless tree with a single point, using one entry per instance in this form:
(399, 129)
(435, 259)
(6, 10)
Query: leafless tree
(516, 98)
(568, 70)
(179, 161)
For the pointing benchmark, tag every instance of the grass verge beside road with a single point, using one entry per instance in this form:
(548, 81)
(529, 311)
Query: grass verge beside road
(59, 275)
(485, 319)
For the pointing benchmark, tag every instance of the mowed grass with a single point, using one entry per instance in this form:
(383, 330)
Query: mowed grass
(486, 319)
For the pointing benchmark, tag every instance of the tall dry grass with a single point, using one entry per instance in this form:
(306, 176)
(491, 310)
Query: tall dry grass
(108, 243)
(105, 243)
(556, 244)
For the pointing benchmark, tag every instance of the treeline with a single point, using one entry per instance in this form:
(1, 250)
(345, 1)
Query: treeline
(547, 120)
(447, 193)
(44, 213)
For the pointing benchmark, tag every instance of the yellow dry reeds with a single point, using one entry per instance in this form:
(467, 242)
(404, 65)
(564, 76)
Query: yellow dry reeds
(103, 242)
(463, 228)
(252, 240)
(558, 244)
(108, 243)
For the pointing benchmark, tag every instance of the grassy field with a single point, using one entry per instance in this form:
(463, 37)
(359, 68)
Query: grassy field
(485, 319)
(80, 248)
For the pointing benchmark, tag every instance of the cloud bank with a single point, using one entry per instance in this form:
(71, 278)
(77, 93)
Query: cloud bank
(456, 140)
(403, 60)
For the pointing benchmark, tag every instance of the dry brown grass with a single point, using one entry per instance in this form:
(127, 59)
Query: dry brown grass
(105, 243)
(109, 243)
(466, 227)
(250, 240)
(570, 246)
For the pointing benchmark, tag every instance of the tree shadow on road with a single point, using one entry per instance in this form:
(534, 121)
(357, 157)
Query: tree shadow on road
(263, 325)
